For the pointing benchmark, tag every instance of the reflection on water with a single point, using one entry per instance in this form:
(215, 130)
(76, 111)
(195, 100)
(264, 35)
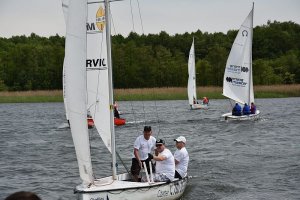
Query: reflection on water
(228, 160)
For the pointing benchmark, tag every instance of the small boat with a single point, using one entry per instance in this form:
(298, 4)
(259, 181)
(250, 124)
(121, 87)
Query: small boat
(238, 80)
(90, 122)
(191, 89)
(117, 122)
(95, 17)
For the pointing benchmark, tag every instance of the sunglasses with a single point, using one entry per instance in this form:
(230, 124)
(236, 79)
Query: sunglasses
(158, 145)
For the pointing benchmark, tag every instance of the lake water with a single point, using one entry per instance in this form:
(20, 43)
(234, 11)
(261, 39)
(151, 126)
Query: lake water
(228, 160)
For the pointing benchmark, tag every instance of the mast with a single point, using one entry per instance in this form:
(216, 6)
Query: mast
(109, 62)
(250, 57)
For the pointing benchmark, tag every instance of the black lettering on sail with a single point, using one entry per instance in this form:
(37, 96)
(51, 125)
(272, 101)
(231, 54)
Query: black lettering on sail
(90, 27)
(98, 64)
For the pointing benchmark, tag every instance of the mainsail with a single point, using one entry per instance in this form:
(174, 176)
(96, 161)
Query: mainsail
(192, 76)
(96, 66)
(75, 90)
(237, 82)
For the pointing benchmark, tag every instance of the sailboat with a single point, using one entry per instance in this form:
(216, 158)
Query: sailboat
(191, 88)
(94, 18)
(238, 80)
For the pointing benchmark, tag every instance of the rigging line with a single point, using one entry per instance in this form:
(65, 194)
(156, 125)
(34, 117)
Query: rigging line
(125, 166)
(158, 123)
(98, 78)
(134, 118)
(112, 21)
(132, 17)
(144, 113)
(140, 16)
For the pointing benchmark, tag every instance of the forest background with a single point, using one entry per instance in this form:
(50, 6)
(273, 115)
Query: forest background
(155, 60)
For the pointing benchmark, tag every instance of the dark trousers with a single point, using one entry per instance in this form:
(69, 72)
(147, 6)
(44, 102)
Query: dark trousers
(135, 166)
(177, 175)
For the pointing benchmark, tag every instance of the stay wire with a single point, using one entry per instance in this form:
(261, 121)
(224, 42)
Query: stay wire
(134, 118)
(132, 16)
(140, 16)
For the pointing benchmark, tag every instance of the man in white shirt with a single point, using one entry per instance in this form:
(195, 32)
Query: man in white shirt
(165, 166)
(181, 157)
(143, 145)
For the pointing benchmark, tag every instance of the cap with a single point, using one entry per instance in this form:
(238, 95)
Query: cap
(180, 139)
(147, 128)
(160, 141)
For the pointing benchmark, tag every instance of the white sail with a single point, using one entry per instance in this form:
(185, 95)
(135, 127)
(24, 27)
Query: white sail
(238, 83)
(97, 72)
(192, 76)
(74, 68)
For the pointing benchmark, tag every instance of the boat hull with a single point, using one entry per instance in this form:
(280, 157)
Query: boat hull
(90, 122)
(199, 106)
(122, 189)
(229, 116)
(117, 122)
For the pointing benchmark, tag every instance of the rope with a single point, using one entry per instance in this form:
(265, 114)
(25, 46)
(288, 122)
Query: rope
(134, 118)
(125, 166)
(140, 16)
(132, 17)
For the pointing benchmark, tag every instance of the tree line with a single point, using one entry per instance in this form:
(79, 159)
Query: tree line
(156, 60)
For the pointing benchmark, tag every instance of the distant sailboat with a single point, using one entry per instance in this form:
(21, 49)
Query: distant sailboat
(117, 186)
(191, 89)
(238, 80)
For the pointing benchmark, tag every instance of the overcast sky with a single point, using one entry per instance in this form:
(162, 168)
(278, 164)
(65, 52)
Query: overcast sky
(45, 17)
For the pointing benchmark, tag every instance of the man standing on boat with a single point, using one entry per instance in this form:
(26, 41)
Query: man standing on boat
(181, 158)
(165, 165)
(143, 145)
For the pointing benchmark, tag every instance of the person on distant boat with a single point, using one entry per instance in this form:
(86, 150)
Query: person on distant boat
(194, 101)
(165, 165)
(23, 196)
(116, 111)
(143, 145)
(253, 108)
(181, 158)
(246, 109)
(236, 111)
(205, 100)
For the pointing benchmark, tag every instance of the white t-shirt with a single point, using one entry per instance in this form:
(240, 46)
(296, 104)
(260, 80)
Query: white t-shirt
(167, 166)
(144, 146)
(182, 157)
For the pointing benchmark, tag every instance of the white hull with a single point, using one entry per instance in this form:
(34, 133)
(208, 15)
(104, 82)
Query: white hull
(229, 116)
(199, 106)
(107, 189)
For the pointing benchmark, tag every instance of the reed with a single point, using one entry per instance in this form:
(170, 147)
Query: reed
(140, 94)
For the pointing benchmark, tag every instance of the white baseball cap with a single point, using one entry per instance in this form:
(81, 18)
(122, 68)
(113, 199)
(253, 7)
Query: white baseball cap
(180, 139)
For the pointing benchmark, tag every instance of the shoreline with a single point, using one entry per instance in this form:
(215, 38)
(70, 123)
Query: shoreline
(146, 94)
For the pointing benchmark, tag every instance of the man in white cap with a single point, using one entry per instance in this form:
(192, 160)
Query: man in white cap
(181, 158)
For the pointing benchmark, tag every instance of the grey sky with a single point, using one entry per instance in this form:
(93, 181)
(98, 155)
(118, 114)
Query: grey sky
(45, 17)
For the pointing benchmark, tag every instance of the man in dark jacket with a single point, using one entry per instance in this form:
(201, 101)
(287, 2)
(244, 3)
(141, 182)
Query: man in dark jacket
(246, 109)
(236, 110)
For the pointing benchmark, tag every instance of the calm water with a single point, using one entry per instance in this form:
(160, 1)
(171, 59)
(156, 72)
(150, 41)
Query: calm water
(229, 160)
